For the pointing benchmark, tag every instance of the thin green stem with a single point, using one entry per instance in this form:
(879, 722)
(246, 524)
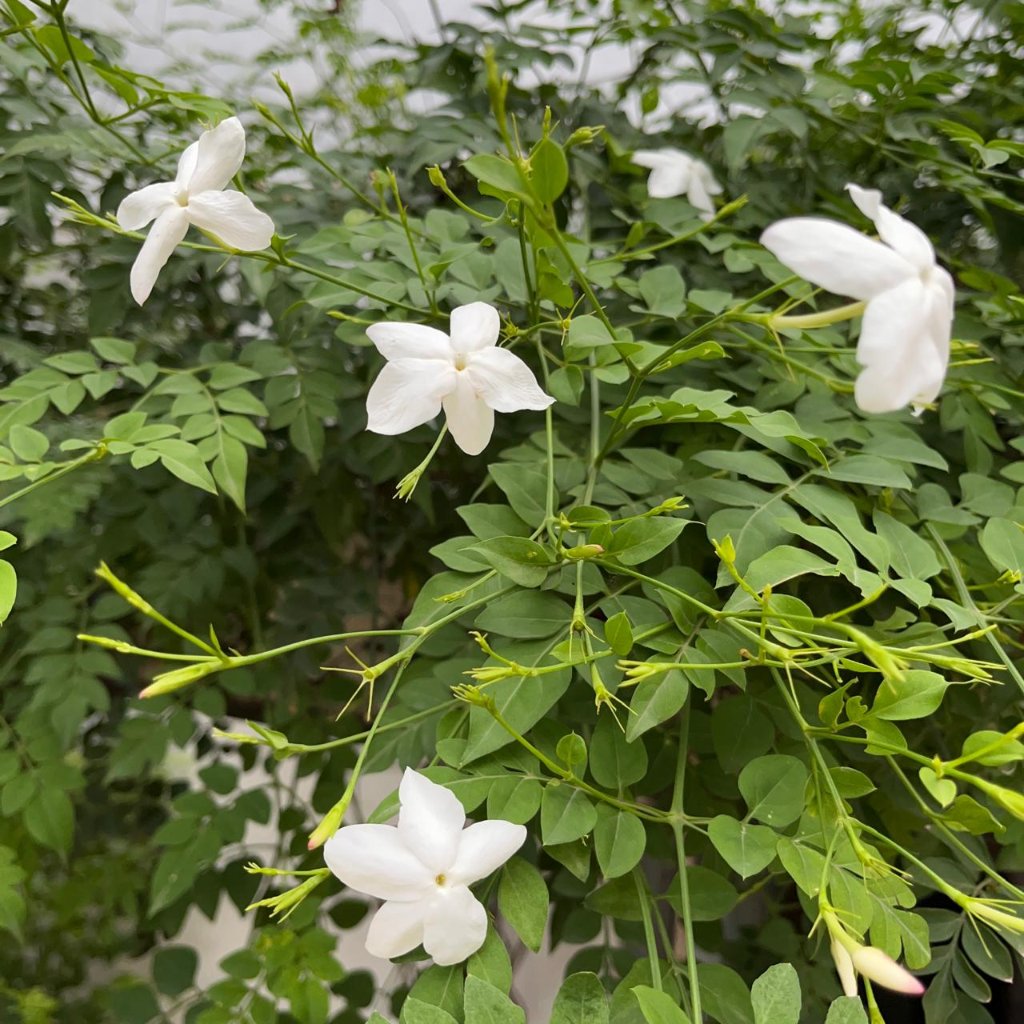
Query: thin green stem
(99, 452)
(677, 815)
(643, 896)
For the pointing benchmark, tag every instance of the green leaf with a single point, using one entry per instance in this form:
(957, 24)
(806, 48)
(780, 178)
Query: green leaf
(525, 486)
(773, 787)
(50, 819)
(711, 895)
(8, 589)
(549, 171)
(491, 962)
(663, 291)
(847, 1010)
(740, 732)
(183, 460)
(658, 1007)
(746, 848)
(484, 1004)
(587, 332)
(229, 469)
(114, 350)
(521, 560)
(415, 1011)
(566, 813)
(619, 841)
(174, 968)
(775, 996)
(514, 799)
(640, 539)
(523, 901)
(581, 1000)
(27, 443)
(571, 750)
(1002, 540)
(654, 701)
(724, 994)
(619, 634)
(497, 172)
(525, 615)
(916, 695)
(488, 521)
(615, 762)
(870, 469)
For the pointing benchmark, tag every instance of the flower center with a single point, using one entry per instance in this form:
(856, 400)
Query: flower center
(441, 880)
(181, 196)
(460, 360)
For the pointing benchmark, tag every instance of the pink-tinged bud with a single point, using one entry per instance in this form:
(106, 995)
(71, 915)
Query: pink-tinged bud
(845, 969)
(880, 968)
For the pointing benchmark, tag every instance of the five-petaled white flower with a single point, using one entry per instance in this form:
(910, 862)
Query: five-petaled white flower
(463, 372)
(904, 339)
(196, 196)
(423, 869)
(674, 173)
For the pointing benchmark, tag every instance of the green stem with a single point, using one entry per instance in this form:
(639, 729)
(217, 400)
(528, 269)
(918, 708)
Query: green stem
(677, 817)
(643, 896)
(95, 455)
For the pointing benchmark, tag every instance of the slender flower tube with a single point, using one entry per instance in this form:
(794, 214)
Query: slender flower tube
(904, 339)
(198, 195)
(422, 869)
(463, 372)
(675, 173)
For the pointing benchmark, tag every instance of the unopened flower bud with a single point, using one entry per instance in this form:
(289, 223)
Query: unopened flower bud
(177, 679)
(879, 967)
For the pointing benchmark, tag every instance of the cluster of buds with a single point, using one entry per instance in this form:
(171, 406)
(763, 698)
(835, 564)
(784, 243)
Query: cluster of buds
(284, 904)
(505, 669)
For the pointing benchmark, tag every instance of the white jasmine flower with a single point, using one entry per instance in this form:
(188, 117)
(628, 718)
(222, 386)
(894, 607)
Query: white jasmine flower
(904, 339)
(675, 173)
(463, 372)
(198, 195)
(423, 869)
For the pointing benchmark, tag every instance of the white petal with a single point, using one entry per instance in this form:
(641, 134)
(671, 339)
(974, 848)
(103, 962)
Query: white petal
(373, 859)
(504, 381)
(893, 321)
(904, 345)
(232, 218)
(669, 180)
(219, 154)
(835, 257)
(880, 968)
(701, 170)
(940, 317)
(396, 928)
(406, 393)
(906, 238)
(470, 418)
(187, 165)
(430, 821)
(474, 327)
(667, 157)
(455, 927)
(699, 197)
(844, 968)
(167, 231)
(483, 848)
(409, 341)
(139, 208)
